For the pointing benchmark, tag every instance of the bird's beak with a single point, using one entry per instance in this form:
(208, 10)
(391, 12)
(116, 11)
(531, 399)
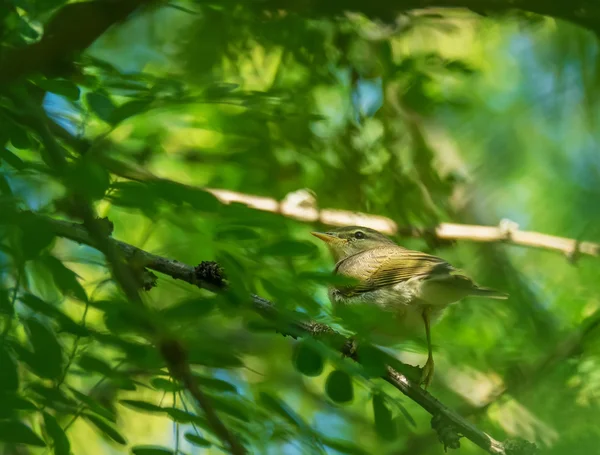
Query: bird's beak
(326, 237)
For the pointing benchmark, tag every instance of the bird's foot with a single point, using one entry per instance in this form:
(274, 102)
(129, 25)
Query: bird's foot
(427, 373)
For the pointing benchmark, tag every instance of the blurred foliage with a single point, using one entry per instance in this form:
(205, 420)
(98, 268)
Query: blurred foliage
(427, 117)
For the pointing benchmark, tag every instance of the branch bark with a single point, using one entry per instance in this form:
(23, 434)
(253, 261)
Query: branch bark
(185, 272)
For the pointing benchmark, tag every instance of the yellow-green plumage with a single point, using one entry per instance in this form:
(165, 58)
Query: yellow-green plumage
(414, 287)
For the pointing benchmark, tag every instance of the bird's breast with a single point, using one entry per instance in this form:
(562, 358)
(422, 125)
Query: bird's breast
(400, 302)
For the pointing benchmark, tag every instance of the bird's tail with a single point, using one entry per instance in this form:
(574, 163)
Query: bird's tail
(489, 293)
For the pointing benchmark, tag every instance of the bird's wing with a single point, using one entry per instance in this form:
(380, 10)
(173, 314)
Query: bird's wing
(388, 266)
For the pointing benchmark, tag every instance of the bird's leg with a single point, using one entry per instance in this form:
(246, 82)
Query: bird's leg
(428, 368)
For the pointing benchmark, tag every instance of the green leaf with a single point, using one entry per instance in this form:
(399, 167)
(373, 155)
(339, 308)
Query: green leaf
(88, 179)
(339, 387)
(19, 137)
(373, 360)
(35, 236)
(234, 407)
(215, 384)
(11, 403)
(9, 157)
(52, 396)
(308, 360)
(60, 87)
(277, 406)
(165, 385)
(384, 425)
(47, 360)
(197, 440)
(101, 105)
(342, 446)
(185, 417)
(406, 414)
(62, 446)
(237, 234)
(92, 363)
(105, 428)
(211, 357)
(9, 373)
(94, 405)
(47, 309)
(192, 308)
(64, 278)
(289, 248)
(142, 406)
(151, 450)
(129, 109)
(19, 433)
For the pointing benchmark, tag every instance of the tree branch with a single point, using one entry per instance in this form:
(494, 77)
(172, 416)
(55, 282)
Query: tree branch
(506, 232)
(181, 271)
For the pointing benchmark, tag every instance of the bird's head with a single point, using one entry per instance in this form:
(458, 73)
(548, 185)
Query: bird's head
(349, 240)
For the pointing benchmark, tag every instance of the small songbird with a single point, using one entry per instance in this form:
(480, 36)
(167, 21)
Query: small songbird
(412, 287)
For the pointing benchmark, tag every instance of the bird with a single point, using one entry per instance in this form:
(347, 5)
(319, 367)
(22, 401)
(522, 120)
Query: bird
(410, 288)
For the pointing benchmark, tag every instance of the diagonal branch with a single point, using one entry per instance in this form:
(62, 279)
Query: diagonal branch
(95, 233)
(181, 271)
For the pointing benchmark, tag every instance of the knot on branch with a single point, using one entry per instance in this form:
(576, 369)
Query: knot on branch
(507, 228)
(210, 272)
(519, 446)
(446, 431)
(105, 225)
(149, 280)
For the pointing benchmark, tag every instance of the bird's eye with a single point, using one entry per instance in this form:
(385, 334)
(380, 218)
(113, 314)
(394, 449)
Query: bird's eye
(359, 235)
